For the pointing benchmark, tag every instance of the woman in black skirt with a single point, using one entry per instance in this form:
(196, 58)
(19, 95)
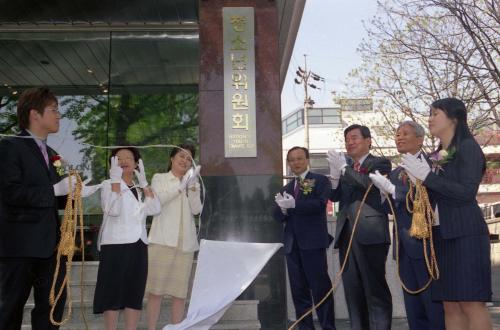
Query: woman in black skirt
(123, 264)
(460, 233)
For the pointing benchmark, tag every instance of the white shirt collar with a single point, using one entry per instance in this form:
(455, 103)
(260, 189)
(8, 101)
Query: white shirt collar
(302, 175)
(362, 159)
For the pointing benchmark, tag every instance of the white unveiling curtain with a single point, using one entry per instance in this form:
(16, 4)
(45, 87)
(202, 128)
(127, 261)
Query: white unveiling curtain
(224, 271)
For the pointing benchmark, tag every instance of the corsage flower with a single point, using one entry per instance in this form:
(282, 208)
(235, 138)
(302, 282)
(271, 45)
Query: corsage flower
(57, 162)
(441, 157)
(307, 185)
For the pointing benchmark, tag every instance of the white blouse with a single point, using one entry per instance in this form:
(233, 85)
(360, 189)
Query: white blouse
(124, 218)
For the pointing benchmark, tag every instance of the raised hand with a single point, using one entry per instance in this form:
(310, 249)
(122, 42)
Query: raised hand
(115, 171)
(140, 173)
(414, 166)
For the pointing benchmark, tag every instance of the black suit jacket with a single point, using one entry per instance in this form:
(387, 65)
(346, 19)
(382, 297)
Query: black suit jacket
(454, 189)
(307, 221)
(373, 227)
(29, 222)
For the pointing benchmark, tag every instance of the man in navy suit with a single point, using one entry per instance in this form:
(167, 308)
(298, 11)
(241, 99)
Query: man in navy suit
(31, 191)
(301, 206)
(421, 311)
(367, 294)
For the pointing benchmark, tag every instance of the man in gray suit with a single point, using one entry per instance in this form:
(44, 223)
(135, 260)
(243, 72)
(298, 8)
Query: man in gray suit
(367, 294)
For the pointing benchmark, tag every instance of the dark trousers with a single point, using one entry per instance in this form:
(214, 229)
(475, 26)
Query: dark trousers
(367, 294)
(17, 277)
(421, 311)
(308, 274)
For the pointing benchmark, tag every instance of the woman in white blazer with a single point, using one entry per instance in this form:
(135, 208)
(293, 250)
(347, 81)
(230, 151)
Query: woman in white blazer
(123, 258)
(172, 237)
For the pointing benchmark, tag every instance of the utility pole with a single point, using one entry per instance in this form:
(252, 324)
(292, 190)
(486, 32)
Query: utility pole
(303, 77)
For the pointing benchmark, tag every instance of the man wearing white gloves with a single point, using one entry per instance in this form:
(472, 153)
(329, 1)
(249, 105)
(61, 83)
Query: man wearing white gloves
(421, 311)
(31, 191)
(367, 294)
(301, 206)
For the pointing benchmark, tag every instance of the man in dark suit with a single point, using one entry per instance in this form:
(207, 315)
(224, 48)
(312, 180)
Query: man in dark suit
(367, 294)
(31, 191)
(301, 206)
(421, 311)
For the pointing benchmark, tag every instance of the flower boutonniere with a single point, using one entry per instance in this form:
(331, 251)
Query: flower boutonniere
(402, 176)
(364, 170)
(441, 157)
(57, 162)
(307, 185)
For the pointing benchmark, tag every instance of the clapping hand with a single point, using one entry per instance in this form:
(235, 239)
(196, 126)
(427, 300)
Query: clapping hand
(285, 200)
(140, 173)
(336, 162)
(415, 167)
(193, 177)
(189, 179)
(115, 171)
(382, 183)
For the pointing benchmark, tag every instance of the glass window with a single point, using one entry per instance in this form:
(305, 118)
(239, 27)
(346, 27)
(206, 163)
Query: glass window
(331, 120)
(330, 112)
(314, 112)
(315, 120)
(114, 88)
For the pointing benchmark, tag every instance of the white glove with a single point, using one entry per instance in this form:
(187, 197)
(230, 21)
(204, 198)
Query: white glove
(412, 178)
(336, 161)
(185, 180)
(278, 199)
(415, 166)
(62, 187)
(115, 171)
(382, 183)
(193, 176)
(141, 175)
(288, 202)
(89, 190)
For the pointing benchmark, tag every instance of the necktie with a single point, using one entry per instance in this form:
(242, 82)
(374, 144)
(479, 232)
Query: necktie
(356, 166)
(296, 188)
(43, 148)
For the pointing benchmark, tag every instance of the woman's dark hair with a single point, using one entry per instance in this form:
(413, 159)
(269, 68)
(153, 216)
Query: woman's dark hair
(133, 150)
(175, 151)
(455, 110)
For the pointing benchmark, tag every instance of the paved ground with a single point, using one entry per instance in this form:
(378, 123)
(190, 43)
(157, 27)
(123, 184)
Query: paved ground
(401, 324)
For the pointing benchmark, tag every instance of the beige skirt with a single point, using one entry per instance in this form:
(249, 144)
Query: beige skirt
(169, 270)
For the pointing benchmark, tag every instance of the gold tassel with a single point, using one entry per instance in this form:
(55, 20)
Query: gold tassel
(419, 221)
(418, 227)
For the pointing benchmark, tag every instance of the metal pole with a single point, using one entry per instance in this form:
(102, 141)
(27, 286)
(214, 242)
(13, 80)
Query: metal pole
(306, 104)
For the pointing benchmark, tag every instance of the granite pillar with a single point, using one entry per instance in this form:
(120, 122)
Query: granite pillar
(240, 191)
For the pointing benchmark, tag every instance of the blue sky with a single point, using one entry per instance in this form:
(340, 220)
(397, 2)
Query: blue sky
(329, 33)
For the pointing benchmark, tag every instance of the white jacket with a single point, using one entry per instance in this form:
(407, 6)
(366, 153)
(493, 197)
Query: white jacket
(175, 207)
(124, 218)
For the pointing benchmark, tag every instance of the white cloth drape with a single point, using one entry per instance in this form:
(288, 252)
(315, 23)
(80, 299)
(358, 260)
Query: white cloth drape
(224, 271)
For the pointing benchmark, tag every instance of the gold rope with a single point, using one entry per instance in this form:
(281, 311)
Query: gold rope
(336, 282)
(421, 228)
(73, 214)
(426, 220)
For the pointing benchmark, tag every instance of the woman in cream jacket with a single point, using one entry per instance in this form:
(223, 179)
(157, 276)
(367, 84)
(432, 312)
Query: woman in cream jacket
(172, 237)
(122, 274)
